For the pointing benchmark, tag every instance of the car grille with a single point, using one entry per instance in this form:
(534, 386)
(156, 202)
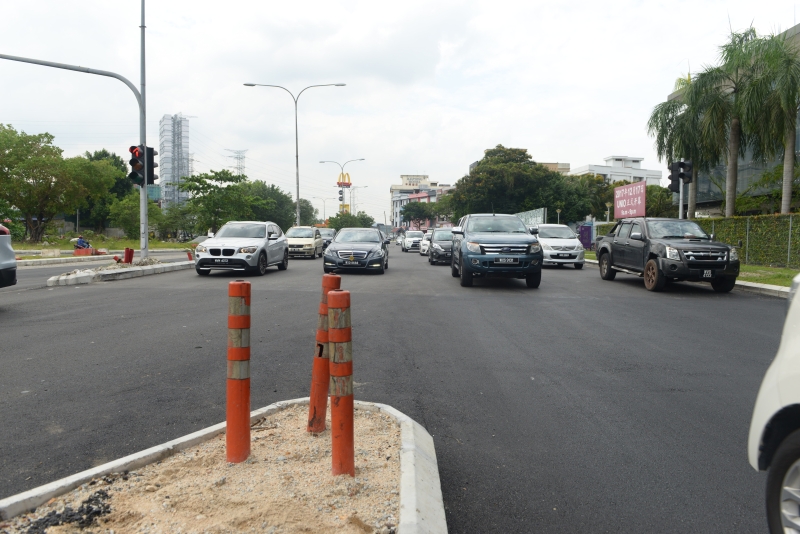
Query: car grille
(293, 247)
(504, 249)
(224, 251)
(357, 254)
(705, 258)
(564, 247)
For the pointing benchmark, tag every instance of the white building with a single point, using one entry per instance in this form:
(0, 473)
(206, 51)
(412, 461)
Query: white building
(173, 151)
(621, 168)
(408, 191)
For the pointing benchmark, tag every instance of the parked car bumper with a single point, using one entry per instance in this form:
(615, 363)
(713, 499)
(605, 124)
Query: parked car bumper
(438, 255)
(557, 256)
(366, 264)
(678, 269)
(8, 277)
(239, 262)
(302, 252)
(485, 265)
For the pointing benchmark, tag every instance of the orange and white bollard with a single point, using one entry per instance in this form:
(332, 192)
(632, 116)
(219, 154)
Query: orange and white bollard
(320, 372)
(341, 383)
(237, 435)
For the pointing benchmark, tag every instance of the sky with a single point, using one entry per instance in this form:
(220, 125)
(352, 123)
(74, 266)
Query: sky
(429, 85)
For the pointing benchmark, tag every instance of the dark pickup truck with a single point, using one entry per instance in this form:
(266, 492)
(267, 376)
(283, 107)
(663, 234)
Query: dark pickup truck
(663, 250)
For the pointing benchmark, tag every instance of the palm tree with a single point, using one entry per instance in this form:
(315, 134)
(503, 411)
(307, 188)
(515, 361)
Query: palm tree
(772, 106)
(719, 92)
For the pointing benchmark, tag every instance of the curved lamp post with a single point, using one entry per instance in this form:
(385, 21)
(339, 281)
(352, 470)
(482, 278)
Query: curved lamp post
(296, 149)
(341, 166)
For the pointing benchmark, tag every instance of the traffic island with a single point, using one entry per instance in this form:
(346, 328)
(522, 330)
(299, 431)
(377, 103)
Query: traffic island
(285, 485)
(115, 272)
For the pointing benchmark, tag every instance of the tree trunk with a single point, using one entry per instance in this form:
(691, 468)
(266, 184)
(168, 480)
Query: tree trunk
(692, 195)
(732, 174)
(788, 168)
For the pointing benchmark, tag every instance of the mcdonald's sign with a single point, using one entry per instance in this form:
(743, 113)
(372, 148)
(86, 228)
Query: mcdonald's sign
(344, 180)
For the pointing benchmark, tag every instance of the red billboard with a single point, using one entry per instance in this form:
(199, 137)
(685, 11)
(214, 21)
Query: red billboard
(629, 200)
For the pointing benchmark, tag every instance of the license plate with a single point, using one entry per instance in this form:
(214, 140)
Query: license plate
(447, 255)
(349, 263)
(506, 260)
(562, 255)
(708, 273)
(220, 261)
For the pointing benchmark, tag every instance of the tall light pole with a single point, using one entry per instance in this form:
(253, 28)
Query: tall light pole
(608, 211)
(353, 207)
(342, 166)
(296, 144)
(324, 217)
(558, 213)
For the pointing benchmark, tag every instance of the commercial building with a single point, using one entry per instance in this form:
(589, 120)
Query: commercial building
(413, 188)
(173, 151)
(619, 168)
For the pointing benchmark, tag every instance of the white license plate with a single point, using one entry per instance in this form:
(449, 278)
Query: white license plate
(221, 261)
(708, 273)
(562, 255)
(350, 263)
(506, 260)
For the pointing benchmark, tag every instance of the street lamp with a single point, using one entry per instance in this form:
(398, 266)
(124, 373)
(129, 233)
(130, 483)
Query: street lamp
(324, 217)
(296, 148)
(353, 207)
(608, 211)
(341, 166)
(558, 213)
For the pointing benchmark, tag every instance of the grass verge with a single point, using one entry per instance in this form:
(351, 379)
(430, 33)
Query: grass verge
(109, 243)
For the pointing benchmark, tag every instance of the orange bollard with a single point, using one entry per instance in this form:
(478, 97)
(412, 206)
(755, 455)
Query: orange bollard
(341, 384)
(320, 372)
(237, 435)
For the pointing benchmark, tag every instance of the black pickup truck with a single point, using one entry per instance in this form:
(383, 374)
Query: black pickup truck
(663, 250)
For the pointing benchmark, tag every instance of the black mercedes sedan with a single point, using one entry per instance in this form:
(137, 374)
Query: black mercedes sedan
(357, 249)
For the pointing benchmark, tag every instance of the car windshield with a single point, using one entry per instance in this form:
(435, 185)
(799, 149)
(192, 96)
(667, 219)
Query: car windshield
(496, 224)
(675, 230)
(299, 232)
(556, 232)
(414, 234)
(327, 232)
(258, 231)
(443, 236)
(358, 236)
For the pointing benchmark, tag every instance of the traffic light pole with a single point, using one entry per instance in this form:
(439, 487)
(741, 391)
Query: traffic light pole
(142, 116)
(143, 222)
(680, 198)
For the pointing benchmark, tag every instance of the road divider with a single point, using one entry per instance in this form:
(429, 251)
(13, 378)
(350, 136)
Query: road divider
(90, 275)
(237, 411)
(320, 371)
(341, 385)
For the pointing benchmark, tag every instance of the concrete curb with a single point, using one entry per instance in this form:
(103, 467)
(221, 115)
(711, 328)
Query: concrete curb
(87, 277)
(753, 287)
(79, 259)
(421, 504)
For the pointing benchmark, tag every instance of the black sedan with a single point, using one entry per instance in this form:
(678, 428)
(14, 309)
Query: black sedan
(327, 236)
(441, 247)
(357, 249)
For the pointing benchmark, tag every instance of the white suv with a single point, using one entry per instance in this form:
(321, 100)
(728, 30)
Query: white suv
(774, 441)
(411, 240)
(243, 246)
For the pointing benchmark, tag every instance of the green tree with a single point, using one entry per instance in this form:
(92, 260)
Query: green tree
(308, 213)
(275, 205)
(348, 220)
(125, 214)
(218, 197)
(35, 179)
(96, 211)
(416, 213)
(658, 202)
(176, 218)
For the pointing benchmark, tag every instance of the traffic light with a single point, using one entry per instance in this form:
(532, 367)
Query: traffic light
(137, 164)
(686, 172)
(151, 165)
(341, 195)
(674, 177)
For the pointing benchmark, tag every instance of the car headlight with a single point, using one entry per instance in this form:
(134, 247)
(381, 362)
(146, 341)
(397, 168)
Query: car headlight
(378, 253)
(579, 246)
(734, 254)
(308, 246)
(329, 252)
(437, 247)
(474, 247)
(672, 254)
(248, 250)
(534, 248)
(200, 248)
(546, 246)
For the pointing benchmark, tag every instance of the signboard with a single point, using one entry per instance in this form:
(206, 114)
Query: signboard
(344, 180)
(629, 200)
(585, 236)
(533, 217)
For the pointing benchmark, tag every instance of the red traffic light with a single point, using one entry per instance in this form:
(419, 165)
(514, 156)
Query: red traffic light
(137, 161)
(136, 151)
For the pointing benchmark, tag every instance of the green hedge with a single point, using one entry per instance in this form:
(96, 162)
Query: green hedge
(768, 242)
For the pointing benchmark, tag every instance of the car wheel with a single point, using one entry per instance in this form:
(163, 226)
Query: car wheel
(578, 265)
(654, 279)
(203, 272)
(533, 280)
(783, 479)
(723, 284)
(453, 270)
(466, 277)
(606, 272)
(261, 266)
(383, 268)
(282, 266)
(386, 265)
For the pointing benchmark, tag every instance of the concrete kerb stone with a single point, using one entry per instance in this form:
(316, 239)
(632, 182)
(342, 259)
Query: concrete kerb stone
(752, 287)
(421, 504)
(87, 277)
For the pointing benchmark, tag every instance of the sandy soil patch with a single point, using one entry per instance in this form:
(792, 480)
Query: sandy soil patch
(285, 486)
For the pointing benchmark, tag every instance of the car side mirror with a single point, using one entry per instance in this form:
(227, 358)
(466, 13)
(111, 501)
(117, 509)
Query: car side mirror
(712, 237)
(534, 231)
(458, 230)
(637, 236)
(272, 236)
(387, 241)
(210, 234)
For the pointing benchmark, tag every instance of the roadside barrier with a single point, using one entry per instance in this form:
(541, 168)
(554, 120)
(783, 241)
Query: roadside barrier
(127, 256)
(320, 372)
(341, 382)
(237, 433)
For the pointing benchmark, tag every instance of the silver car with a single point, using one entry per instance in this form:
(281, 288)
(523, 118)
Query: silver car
(250, 246)
(8, 260)
(560, 245)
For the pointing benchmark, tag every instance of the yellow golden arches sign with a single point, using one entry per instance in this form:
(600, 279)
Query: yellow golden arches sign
(344, 180)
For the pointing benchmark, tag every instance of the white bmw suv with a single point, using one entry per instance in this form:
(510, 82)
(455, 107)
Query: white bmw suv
(251, 246)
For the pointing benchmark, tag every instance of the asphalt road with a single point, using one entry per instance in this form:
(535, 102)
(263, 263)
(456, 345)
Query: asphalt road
(581, 406)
